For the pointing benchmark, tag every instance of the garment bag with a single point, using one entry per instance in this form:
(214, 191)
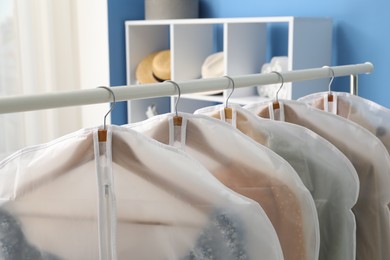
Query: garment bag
(370, 159)
(326, 172)
(249, 169)
(127, 198)
(372, 116)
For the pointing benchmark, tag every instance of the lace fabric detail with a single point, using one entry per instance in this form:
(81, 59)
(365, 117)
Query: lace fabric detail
(13, 243)
(222, 238)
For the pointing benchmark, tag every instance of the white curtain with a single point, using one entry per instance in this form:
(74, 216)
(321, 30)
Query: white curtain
(45, 47)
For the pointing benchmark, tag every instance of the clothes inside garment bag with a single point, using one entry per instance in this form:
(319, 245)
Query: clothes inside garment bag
(370, 159)
(326, 172)
(372, 116)
(249, 169)
(158, 203)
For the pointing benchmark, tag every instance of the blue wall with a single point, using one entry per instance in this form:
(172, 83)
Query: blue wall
(360, 35)
(118, 12)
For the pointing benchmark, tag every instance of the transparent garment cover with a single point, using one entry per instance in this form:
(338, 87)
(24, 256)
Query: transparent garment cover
(326, 172)
(49, 202)
(372, 116)
(163, 204)
(170, 207)
(249, 169)
(370, 159)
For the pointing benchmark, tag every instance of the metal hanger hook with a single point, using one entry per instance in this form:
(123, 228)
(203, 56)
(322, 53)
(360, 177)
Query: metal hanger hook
(178, 97)
(231, 92)
(113, 103)
(331, 80)
(277, 92)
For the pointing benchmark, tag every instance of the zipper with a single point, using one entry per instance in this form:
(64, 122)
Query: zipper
(106, 200)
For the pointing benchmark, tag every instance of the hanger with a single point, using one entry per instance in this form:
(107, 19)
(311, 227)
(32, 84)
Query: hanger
(330, 96)
(228, 110)
(177, 120)
(102, 133)
(275, 104)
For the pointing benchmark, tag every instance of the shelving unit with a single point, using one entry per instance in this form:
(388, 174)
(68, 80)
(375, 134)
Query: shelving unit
(247, 44)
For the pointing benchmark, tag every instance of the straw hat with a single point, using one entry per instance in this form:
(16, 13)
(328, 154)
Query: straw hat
(156, 67)
(213, 66)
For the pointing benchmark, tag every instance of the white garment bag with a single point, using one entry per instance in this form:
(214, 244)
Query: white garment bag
(326, 172)
(127, 198)
(249, 169)
(370, 159)
(372, 116)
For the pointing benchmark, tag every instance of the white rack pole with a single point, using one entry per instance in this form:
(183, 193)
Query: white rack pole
(21, 103)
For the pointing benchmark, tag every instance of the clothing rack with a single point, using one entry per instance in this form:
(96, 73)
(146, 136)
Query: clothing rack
(11, 104)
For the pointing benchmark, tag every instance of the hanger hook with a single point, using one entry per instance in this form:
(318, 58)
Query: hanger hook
(277, 92)
(231, 92)
(331, 80)
(113, 103)
(178, 97)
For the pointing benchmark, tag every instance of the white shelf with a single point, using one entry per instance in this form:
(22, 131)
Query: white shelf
(270, 19)
(221, 99)
(247, 100)
(246, 42)
(211, 98)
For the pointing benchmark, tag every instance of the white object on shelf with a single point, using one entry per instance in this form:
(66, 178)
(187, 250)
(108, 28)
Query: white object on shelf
(278, 64)
(246, 44)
